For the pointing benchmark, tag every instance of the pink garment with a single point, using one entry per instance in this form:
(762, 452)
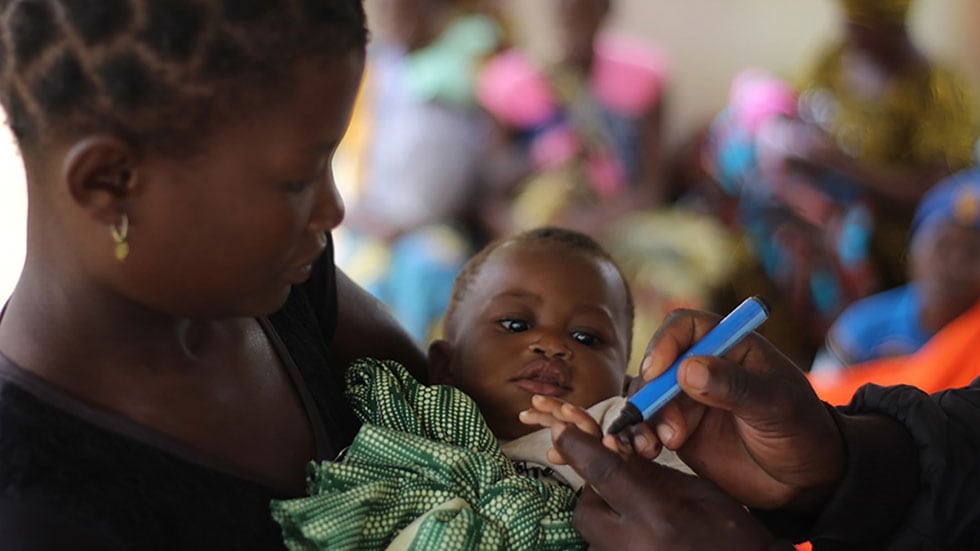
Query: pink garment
(554, 147)
(514, 91)
(756, 96)
(605, 174)
(627, 77)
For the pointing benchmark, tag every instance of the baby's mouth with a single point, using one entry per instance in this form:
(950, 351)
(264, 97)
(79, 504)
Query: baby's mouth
(545, 378)
(542, 386)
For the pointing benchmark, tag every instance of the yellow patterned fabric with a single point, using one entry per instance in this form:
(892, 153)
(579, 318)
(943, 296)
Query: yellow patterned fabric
(924, 118)
(424, 472)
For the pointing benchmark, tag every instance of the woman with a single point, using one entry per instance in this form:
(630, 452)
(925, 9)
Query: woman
(826, 190)
(172, 356)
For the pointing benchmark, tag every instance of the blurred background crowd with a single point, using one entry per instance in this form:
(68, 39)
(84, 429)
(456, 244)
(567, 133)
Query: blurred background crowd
(815, 152)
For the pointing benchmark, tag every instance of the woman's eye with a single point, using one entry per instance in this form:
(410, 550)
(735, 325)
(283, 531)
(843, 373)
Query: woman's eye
(297, 187)
(588, 339)
(514, 325)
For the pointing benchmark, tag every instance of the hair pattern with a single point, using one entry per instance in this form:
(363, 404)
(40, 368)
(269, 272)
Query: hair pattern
(560, 237)
(157, 72)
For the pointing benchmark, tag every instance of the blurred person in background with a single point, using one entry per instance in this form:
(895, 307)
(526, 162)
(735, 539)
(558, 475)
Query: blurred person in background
(923, 333)
(827, 187)
(578, 139)
(578, 144)
(417, 138)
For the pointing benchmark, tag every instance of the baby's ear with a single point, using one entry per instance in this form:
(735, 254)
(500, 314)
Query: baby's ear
(440, 370)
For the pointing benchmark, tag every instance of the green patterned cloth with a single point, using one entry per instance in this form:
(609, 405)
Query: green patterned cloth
(424, 460)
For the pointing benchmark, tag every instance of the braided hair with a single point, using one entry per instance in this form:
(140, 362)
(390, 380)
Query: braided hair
(157, 72)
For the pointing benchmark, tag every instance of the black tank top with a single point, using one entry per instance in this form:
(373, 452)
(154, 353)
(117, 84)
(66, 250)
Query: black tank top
(75, 477)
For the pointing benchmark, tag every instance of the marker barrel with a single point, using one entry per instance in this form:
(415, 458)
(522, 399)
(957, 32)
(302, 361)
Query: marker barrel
(730, 330)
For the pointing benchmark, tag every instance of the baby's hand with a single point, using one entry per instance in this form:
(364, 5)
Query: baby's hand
(550, 412)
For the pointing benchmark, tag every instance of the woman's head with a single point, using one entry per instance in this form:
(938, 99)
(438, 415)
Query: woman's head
(876, 11)
(158, 72)
(545, 312)
(205, 127)
(579, 22)
(944, 250)
(878, 28)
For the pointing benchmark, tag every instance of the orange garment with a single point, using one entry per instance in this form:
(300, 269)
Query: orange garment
(948, 360)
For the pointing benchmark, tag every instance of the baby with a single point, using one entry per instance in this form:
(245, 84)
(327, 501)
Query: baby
(538, 328)
(545, 315)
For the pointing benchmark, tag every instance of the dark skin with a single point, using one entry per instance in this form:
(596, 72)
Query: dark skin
(528, 305)
(945, 262)
(749, 424)
(169, 335)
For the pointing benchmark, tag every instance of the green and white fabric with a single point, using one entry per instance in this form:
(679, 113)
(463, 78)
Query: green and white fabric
(426, 468)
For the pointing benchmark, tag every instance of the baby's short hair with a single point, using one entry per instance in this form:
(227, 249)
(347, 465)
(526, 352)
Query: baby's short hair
(549, 235)
(157, 72)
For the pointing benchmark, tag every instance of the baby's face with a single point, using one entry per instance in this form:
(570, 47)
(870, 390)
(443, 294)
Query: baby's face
(540, 320)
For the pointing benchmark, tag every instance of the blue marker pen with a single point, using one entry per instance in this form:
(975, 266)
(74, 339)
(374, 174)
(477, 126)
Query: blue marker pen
(730, 330)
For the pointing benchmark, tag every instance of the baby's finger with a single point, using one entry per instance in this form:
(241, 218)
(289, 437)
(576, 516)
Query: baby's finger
(645, 441)
(535, 417)
(555, 458)
(547, 404)
(580, 418)
(619, 444)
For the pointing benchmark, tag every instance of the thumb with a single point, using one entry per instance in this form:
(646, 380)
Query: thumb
(723, 384)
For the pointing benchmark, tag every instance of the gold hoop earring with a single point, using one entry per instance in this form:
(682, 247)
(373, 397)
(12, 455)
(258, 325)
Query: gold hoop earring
(119, 235)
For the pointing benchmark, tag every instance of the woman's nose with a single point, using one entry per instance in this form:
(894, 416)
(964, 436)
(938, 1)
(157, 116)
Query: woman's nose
(328, 211)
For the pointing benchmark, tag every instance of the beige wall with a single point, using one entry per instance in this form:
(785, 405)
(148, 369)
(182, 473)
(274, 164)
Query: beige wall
(13, 212)
(708, 41)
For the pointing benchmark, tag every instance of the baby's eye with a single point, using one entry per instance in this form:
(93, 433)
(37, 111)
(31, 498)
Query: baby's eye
(588, 339)
(514, 325)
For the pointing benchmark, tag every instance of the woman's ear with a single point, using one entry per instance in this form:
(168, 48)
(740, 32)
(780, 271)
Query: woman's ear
(100, 173)
(440, 369)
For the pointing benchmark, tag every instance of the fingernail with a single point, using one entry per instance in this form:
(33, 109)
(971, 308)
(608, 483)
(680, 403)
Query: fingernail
(645, 366)
(524, 413)
(665, 433)
(641, 443)
(697, 375)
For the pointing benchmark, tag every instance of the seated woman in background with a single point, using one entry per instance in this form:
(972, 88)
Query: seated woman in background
(575, 132)
(417, 141)
(923, 333)
(579, 146)
(826, 192)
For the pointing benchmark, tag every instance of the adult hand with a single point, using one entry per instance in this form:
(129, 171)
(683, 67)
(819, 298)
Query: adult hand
(750, 422)
(636, 504)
